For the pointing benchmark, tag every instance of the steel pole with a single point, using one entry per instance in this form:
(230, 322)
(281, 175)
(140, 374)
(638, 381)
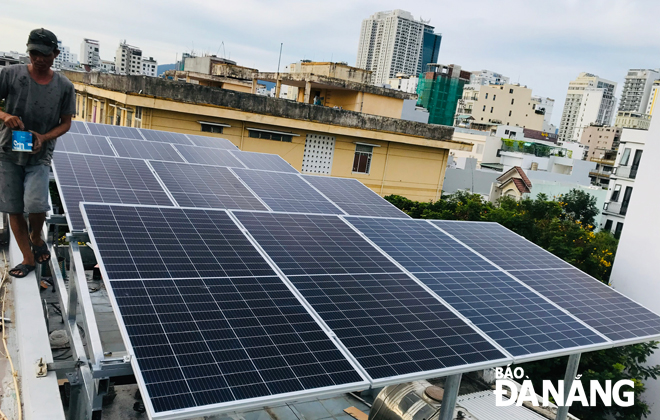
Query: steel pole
(571, 371)
(452, 384)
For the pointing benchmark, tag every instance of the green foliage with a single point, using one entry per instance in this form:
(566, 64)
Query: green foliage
(564, 227)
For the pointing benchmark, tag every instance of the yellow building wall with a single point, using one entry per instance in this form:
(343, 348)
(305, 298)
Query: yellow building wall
(382, 105)
(347, 99)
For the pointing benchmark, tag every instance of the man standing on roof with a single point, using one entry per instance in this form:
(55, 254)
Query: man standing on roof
(40, 101)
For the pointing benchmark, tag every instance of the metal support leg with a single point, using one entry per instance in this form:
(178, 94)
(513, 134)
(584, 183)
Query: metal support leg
(449, 398)
(76, 405)
(571, 371)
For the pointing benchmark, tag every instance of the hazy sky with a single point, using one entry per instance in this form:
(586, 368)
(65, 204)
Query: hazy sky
(543, 45)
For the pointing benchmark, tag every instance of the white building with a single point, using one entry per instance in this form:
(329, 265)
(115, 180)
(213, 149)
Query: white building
(404, 83)
(128, 59)
(89, 53)
(547, 104)
(392, 42)
(13, 57)
(65, 59)
(107, 66)
(488, 77)
(635, 270)
(652, 97)
(149, 67)
(622, 180)
(590, 100)
(637, 89)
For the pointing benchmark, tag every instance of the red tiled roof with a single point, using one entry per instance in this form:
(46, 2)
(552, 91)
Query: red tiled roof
(523, 176)
(520, 184)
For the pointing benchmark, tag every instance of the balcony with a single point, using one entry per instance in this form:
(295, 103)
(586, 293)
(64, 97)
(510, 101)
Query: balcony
(620, 208)
(536, 149)
(606, 162)
(600, 174)
(629, 172)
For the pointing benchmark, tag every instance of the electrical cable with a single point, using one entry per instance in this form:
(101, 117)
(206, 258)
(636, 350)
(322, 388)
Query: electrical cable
(14, 374)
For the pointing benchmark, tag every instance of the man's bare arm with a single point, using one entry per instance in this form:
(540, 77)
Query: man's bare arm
(38, 140)
(11, 121)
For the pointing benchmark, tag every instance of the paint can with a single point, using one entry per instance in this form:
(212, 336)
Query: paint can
(21, 141)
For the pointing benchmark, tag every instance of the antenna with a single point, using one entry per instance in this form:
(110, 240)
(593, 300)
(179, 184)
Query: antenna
(279, 59)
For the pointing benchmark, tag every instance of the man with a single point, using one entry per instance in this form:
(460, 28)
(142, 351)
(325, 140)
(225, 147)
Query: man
(41, 101)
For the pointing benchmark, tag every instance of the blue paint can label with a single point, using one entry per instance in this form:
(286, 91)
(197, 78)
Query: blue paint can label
(21, 141)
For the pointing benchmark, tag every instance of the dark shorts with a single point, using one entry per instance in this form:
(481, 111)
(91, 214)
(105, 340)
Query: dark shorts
(23, 189)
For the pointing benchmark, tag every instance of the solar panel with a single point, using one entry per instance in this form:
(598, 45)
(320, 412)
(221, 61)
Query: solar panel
(209, 156)
(78, 127)
(145, 149)
(264, 162)
(213, 142)
(514, 316)
(314, 244)
(286, 192)
(104, 179)
(114, 131)
(501, 246)
(392, 326)
(593, 302)
(206, 186)
(418, 246)
(164, 136)
(354, 197)
(84, 143)
(206, 320)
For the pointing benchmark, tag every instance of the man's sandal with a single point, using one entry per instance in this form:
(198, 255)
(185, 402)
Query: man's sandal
(23, 269)
(40, 251)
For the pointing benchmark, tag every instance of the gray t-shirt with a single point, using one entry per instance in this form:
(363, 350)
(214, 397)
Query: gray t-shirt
(39, 106)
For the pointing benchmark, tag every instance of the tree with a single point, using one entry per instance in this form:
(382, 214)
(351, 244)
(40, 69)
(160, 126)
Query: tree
(564, 227)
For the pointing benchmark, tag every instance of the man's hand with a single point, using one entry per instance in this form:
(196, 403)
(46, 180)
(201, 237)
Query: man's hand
(12, 121)
(38, 141)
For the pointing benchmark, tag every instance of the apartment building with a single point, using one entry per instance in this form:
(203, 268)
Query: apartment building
(404, 83)
(149, 67)
(488, 77)
(507, 104)
(393, 42)
(128, 59)
(634, 120)
(89, 53)
(637, 89)
(652, 97)
(622, 180)
(65, 56)
(440, 90)
(590, 99)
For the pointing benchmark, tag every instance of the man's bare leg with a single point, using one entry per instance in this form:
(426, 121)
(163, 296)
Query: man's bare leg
(20, 228)
(36, 225)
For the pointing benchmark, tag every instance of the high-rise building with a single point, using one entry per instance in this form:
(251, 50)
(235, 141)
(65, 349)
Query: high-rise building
(655, 92)
(637, 89)
(487, 77)
(590, 100)
(65, 56)
(128, 59)
(507, 104)
(89, 53)
(439, 91)
(394, 42)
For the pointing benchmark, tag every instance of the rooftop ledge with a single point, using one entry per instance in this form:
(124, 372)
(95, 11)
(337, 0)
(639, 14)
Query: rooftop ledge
(247, 102)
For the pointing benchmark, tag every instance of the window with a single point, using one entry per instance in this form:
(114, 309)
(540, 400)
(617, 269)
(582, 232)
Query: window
(617, 231)
(511, 91)
(494, 96)
(615, 193)
(208, 128)
(608, 225)
(625, 157)
(362, 160)
(486, 97)
(484, 108)
(512, 101)
(509, 113)
(270, 136)
(491, 109)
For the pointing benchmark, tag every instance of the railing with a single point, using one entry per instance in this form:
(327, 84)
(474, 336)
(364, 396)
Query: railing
(609, 162)
(626, 171)
(536, 149)
(600, 174)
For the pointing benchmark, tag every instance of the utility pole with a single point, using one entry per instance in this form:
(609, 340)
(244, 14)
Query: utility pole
(279, 59)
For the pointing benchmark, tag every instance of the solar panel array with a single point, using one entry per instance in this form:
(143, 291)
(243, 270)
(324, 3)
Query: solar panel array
(239, 282)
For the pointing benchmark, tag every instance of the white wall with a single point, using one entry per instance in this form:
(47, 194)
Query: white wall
(635, 271)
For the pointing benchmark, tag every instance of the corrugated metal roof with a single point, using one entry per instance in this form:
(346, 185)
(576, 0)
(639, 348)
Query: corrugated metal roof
(482, 406)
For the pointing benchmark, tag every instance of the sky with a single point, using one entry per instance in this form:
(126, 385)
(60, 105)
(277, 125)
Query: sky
(543, 45)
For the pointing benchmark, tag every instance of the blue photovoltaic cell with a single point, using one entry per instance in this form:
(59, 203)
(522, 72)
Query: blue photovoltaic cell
(146, 150)
(593, 302)
(501, 246)
(212, 142)
(419, 246)
(114, 131)
(206, 186)
(514, 316)
(104, 179)
(165, 136)
(354, 197)
(391, 325)
(209, 156)
(84, 143)
(78, 127)
(314, 244)
(286, 192)
(204, 315)
(264, 162)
